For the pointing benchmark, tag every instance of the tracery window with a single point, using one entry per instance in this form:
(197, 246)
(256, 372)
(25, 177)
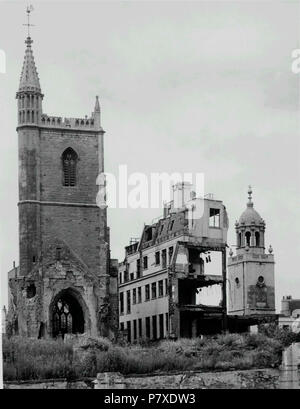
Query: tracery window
(69, 159)
(62, 318)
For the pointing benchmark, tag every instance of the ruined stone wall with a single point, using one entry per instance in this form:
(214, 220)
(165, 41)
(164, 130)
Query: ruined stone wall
(56, 219)
(247, 379)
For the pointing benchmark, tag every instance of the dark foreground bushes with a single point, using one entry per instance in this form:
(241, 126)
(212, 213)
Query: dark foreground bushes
(43, 359)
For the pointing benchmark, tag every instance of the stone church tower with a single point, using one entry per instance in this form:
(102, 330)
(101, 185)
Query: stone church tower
(251, 270)
(65, 282)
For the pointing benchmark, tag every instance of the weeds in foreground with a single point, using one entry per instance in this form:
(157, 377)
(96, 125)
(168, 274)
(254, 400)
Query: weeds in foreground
(26, 359)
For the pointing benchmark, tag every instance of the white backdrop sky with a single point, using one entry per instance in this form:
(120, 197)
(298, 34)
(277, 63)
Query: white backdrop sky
(184, 86)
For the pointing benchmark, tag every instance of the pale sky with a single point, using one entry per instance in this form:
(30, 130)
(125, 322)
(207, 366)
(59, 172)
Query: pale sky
(183, 86)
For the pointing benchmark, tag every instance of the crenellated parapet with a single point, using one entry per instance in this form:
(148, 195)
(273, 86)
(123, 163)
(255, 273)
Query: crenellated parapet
(77, 123)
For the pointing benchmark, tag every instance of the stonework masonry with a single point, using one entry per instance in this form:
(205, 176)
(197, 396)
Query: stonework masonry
(268, 378)
(66, 281)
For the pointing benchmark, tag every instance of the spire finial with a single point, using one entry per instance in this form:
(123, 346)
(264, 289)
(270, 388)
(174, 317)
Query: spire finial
(28, 11)
(29, 77)
(250, 203)
(97, 105)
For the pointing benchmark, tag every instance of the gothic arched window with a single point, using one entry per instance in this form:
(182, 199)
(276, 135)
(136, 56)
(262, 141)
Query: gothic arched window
(67, 315)
(69, 159)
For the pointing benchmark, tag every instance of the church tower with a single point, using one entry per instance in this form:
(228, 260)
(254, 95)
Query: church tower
(65, 282)
(251, 271)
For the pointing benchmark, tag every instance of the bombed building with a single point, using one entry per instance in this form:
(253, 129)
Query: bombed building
(164, 271)
(65, 281)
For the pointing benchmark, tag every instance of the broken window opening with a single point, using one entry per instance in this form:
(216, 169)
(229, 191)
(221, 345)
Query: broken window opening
(148, 327)
(121, 303)
(145, 262)
(128, 302)
(153, 290)
(58, 253)
(196, 263)
(31, 291)
(128, 331)
(139, 294)
(164, 258)
(160, 288)
(154, 327)
(209, 296)
(161, 326)
(147, 292)
(148, 234)
(157, 257)
(138, 268)
(134, 296)
(170, 254)
(214, 217)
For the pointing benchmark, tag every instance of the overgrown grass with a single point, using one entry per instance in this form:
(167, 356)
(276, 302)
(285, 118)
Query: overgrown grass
(25, 358)
(41, 359)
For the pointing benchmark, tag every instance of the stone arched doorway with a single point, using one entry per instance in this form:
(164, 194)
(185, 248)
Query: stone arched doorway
(67, 314)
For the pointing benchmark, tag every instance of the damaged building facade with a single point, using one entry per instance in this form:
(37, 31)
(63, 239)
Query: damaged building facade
(164, 271)
(65, 281)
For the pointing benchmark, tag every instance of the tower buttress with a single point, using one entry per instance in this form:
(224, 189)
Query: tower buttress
(29, 98)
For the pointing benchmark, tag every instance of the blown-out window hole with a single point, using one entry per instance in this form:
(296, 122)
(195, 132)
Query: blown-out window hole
(30, 291)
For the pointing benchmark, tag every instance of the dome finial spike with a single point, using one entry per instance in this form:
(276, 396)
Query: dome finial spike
(97, 105)
(250, 203)
(28, 11)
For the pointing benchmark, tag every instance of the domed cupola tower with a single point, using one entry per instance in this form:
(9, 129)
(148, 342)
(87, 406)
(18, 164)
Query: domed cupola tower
(250, 229)
(251, 270)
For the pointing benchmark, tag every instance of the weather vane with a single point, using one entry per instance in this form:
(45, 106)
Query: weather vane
(28, 11)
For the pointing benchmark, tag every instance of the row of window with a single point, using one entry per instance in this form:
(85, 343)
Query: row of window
(152, 329)
(158, 289)
(247, 240)
(160, 259)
